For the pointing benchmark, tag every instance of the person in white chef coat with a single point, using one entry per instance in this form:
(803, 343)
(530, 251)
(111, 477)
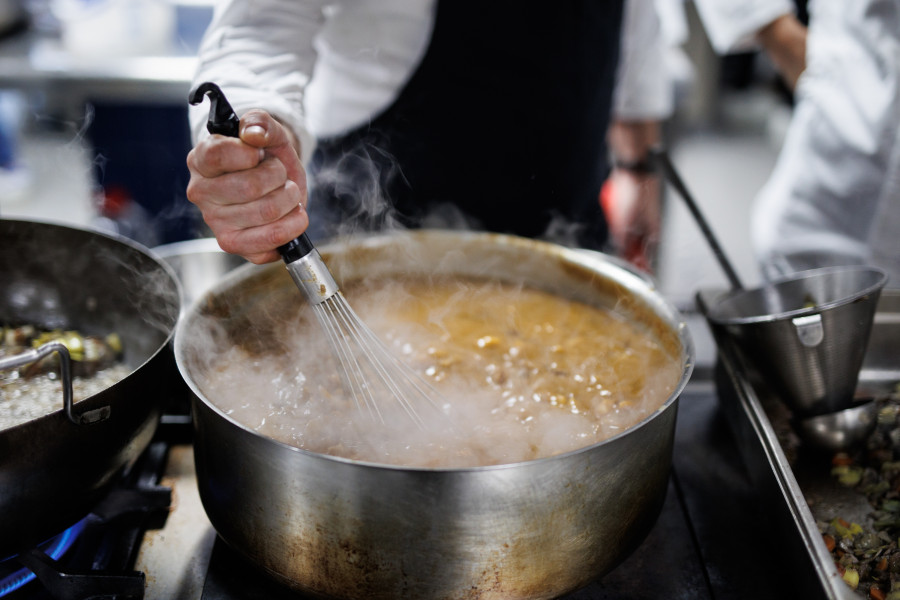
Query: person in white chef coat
(495, 115)
(772, 25)
(833, 197)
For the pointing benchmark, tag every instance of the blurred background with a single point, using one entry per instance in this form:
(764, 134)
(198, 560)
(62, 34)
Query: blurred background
(93, 127)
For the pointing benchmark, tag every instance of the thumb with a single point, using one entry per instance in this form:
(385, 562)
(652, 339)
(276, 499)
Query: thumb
(261, 130)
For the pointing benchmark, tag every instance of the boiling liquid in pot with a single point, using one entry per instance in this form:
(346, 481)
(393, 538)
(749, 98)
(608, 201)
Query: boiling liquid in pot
(524, 374)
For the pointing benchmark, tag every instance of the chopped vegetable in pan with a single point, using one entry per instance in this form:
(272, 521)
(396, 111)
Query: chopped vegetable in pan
(34, 390)
(868, 554)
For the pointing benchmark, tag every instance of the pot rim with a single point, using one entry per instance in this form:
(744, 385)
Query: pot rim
(197, 245)
(597, 262)
(880, 280)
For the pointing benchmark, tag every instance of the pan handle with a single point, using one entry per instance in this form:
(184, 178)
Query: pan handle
(65, 374)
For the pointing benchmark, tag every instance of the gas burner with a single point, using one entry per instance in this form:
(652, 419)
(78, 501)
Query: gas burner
(95, 557)
(14, 576)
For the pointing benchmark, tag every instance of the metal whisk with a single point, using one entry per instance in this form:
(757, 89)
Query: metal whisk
(371, 373)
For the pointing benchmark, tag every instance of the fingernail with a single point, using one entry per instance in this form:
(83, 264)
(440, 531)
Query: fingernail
(255, 130)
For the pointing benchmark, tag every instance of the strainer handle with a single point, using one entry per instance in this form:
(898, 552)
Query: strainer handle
(660, 159)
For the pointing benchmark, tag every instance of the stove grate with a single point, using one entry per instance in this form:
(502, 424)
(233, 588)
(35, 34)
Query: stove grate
(15, 577)
(95, 558)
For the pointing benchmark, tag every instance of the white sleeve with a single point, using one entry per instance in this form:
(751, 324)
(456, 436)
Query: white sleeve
(731, 25)
(261, 54)
(644, 86)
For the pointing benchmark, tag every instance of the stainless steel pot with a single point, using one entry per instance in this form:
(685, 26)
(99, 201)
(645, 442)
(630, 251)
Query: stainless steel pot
(53, 469)
(346, 529)
(198, 264)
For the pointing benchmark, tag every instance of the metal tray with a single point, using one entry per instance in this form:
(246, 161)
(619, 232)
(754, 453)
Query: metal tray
(794, 483)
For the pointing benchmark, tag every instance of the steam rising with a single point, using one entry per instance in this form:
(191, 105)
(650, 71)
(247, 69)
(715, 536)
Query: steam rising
(360, 180)
(522, 374)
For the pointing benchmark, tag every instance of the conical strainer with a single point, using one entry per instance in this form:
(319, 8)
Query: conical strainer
(806, 334)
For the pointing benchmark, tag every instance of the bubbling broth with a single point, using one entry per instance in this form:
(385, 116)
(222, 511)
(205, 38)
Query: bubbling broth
(519, 374)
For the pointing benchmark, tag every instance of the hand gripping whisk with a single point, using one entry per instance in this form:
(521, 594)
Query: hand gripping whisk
(370, 371)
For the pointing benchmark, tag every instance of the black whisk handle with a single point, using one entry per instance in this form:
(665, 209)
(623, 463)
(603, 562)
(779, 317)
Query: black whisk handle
(296, 249)
(223, 120)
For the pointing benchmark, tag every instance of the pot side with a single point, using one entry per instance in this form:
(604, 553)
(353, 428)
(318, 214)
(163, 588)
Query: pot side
(339, 528)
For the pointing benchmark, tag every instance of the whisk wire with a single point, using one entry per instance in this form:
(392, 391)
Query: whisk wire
(400, 380)
(367, 363)
(351, 374)
(378, 356)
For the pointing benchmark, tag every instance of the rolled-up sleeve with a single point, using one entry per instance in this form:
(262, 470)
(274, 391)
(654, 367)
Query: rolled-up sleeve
(261, 54)
(644, 86)
(731, 25)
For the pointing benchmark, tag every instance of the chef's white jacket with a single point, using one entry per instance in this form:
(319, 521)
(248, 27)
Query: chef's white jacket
(834, 195)
(328, 66)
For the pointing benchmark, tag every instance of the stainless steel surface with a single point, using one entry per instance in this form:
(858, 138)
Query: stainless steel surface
(39, 61)
(806, 333)
(880, 370)
(692, 552)
(51, 470)
(756, 415)
(529, 530)
(36, 63)
(175, 559)
(660, 158)
(198, 264)
(313, 278)
(841, 430)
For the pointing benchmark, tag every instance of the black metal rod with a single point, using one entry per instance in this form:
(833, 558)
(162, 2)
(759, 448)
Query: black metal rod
(661, 160)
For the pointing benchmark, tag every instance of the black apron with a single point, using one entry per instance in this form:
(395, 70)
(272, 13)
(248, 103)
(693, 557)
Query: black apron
(505, 120)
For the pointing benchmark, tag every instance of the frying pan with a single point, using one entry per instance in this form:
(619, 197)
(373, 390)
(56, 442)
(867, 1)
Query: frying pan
(54, 468)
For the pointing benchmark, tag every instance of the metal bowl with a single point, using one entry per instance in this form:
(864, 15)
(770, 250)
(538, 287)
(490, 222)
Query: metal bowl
(842, 430)
(199, 264)
(54, 276)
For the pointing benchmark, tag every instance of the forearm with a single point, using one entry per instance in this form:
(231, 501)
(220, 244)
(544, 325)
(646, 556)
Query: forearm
(632, 206)
(784, 40)
(733, 25)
